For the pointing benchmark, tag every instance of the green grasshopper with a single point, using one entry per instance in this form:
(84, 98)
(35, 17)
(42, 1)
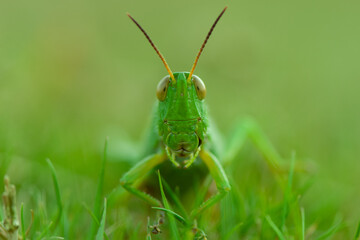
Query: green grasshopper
(182, 133)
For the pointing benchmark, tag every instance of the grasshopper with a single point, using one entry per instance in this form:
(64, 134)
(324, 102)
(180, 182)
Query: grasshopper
(183, 134)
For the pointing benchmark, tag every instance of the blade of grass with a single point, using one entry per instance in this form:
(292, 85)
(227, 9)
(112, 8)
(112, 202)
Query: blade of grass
(302, 224)
(91, 214)
(231, 232)
(23, 233)
(330, 232)
(45, 231)
(173, 226)
(31, 223)
(287, 194)
(99, 191)
(274, 227)
(57, 194)
(357, 235)
(177, 216)
(65, 223)
(148, 235)
(101, 230)
(94, 218)
(175, 199)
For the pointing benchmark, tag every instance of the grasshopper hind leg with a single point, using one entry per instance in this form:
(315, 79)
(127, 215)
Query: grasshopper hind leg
(248, 129)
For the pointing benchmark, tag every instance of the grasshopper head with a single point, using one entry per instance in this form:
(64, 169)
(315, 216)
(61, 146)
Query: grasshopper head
(182, 113)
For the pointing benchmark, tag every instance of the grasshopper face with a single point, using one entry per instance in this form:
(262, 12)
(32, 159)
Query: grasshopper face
(182, 113)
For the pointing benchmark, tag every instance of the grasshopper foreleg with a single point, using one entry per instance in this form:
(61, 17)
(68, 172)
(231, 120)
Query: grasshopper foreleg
(140, 170)
(218, 174)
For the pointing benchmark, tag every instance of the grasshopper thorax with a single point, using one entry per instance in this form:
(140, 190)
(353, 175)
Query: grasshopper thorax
(182, 114)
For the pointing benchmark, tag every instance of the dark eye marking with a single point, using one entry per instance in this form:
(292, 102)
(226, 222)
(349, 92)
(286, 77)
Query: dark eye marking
(199, 87)
(162, 87)
(200, 142)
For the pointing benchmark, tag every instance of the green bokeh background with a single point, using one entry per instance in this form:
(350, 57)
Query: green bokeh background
(73, 72)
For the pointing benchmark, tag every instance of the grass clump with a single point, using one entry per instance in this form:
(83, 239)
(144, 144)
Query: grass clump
(260, 206)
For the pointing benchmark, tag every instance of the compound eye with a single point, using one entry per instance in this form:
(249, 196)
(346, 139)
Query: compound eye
(162, 88)
(200, 87)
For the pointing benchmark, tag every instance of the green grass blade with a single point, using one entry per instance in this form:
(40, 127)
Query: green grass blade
(274, 227)
(287, 195)
(357, 235)
(23, 231)
(234, 229)
(330, 232)
(57, 193)
(99, 191)
(175, 198)
(94, 218)
(101, 230)
(65, 222)
(177, 216)
(148, 235)
(45, 231)
(100, 186)
(173, 226)
(302, 224)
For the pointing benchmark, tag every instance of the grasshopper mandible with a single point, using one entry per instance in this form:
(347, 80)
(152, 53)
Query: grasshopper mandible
(181, 132)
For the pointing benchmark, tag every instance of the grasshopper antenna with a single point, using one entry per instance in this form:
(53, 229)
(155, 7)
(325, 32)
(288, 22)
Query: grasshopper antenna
(203, 45)
(155, 48)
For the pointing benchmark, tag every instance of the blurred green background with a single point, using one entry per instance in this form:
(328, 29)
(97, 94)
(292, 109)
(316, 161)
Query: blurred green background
(73, 72)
